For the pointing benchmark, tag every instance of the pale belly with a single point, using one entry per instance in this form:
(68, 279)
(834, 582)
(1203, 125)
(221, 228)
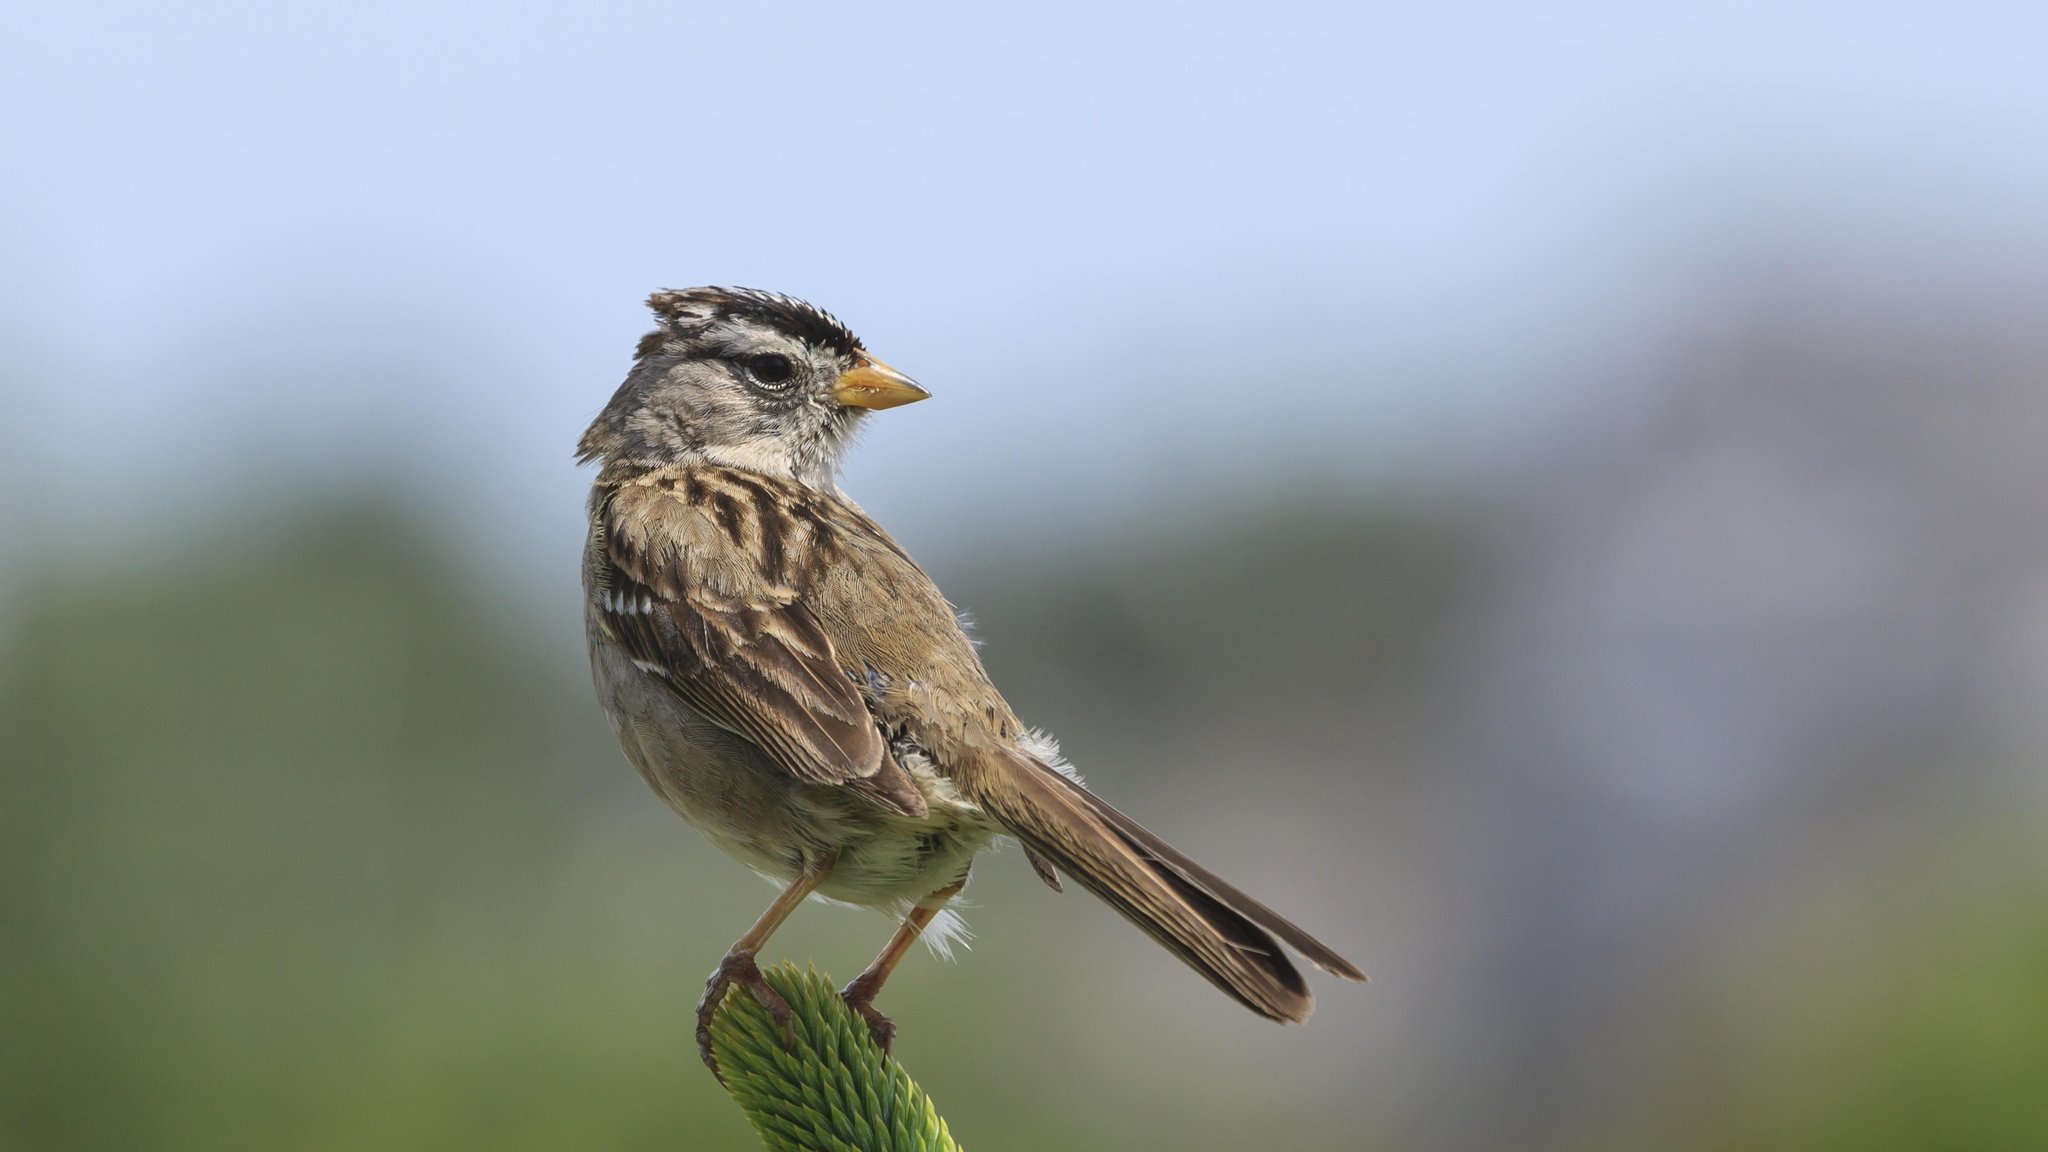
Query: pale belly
(770, 821)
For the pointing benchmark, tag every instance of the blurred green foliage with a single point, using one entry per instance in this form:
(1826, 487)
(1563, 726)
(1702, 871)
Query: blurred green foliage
(1896, 1006)
(284, 862)
(315, 838)
(311, 837)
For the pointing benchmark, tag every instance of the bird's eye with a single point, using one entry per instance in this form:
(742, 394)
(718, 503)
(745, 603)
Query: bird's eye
(770, 368)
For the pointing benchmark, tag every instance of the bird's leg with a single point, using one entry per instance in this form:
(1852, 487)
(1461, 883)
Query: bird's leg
(860, 994)
(738, 966)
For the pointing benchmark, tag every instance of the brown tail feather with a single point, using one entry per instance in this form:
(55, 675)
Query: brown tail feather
(1313, 950)
(1216, 929)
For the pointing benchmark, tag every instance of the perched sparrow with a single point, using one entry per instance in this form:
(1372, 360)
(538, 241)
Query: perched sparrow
(793, 684)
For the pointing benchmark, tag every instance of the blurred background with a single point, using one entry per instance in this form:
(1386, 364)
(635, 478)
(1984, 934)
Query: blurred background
(1550, 498)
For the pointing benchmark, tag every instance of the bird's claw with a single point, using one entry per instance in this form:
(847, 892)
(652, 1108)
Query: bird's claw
(861, 999)
(738, 969)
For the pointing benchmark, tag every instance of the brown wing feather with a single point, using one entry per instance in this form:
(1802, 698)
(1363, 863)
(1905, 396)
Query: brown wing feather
(749, 660)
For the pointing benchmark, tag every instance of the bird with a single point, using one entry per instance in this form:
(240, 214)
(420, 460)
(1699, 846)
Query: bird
(792, 683)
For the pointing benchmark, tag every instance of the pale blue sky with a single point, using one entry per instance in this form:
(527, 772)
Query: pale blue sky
(1118, 243)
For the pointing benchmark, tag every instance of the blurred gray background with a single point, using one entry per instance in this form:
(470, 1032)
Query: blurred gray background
(1550, 497)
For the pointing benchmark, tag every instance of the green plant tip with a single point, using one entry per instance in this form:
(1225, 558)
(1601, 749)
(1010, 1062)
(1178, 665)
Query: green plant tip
(833, 1090)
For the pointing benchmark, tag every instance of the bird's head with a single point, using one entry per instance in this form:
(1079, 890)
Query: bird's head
(746, 379)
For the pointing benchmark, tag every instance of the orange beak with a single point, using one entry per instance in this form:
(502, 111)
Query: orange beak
(873, 384)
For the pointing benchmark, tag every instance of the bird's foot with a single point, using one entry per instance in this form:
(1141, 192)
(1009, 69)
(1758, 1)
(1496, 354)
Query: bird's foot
(860, 996)
(738, 968)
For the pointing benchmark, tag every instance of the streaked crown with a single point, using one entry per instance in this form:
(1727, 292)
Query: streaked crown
(692, 312)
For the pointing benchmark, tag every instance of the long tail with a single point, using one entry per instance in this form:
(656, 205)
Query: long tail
(1217, 930)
